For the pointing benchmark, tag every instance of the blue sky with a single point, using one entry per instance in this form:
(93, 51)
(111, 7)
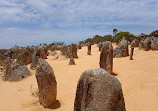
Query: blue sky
(30, 22)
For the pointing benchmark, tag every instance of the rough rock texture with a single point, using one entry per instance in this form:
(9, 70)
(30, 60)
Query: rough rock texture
(135, 43)
(47, 84)
(56, 47)
(106, 57)
(150, 43)
(122, 49)
(40, 52)
(154, 43)
(74, 50)
(35, 59)
(141, 44)
(89, 49)
(66, 51)
(1, 70)
(25, 58)
(100, 45)
(7, 71)
(15, 72)
(15, 52)
(131, 53)
(71, 62)
(145, 44)
(97, 90)
(2, 56)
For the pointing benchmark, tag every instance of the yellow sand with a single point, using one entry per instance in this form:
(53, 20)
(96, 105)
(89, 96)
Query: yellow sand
(139, 79)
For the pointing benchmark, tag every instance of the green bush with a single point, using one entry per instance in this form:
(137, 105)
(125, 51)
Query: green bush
(50, 45)
(142, 36)
(55, 43)
(128, 36)
(97, 39)
(89, 40)
(107, 38)
(154, 33)
(81, 42)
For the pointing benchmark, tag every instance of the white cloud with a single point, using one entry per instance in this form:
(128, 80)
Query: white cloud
(66, 19)
(76, 10)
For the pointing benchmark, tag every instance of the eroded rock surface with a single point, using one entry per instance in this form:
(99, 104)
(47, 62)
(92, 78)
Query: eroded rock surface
(47, 84)
(97, 90)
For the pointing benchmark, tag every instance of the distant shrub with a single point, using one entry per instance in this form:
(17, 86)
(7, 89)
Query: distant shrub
(55, 43)
(128, 36)
(89, 40)
(107, 38)
(50, 45)
(154, 33)
(81, 42)
(97, 39)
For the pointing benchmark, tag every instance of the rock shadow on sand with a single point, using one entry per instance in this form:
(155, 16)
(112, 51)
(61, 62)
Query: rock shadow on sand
(114, 74)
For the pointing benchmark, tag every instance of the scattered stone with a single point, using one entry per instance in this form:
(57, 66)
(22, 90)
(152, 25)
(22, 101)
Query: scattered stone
(15, 72)
(154, 43)
(25, 58)
(145, 44)
(47, 84)
(135, 43)
(150, 43)
(72, 62)
(89, 49)
(56, 47)
(7, 71)
(66, 51)
(74, 50)
(122, 49)
(41, 52)
(97, 90)
(141, 44)
(106, 57)
(15, 52)
(35, 59)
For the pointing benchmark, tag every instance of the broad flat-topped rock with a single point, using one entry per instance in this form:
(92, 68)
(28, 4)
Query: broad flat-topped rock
(97, 90)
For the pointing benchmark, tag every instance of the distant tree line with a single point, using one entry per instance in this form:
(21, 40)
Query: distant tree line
(117, 36)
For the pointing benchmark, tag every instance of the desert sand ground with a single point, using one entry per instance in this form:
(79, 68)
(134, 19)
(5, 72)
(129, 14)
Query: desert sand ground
(139, 79)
